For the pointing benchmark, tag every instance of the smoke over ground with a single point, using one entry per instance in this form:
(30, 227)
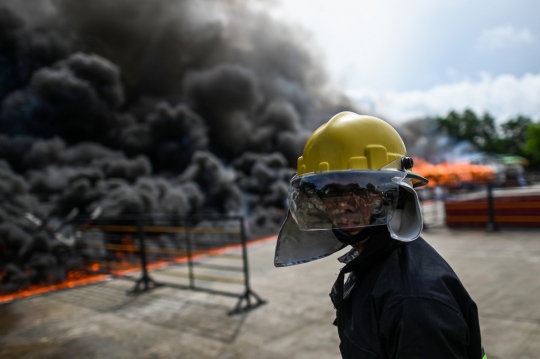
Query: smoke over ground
(178, 107)
(424, 139)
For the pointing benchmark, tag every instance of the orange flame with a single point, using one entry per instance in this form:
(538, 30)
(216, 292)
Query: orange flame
(453, 174)
(123, 267)
(74, 279)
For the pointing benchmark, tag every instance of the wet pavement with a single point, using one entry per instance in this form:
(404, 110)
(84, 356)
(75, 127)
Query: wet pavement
(500, 270)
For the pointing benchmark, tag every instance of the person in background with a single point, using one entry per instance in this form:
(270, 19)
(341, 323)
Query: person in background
(354, 188)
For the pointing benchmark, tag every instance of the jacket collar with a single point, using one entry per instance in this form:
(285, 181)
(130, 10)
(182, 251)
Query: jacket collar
(379, 245)
(376, 249)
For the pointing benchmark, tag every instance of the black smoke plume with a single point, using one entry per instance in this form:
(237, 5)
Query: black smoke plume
(125, 107)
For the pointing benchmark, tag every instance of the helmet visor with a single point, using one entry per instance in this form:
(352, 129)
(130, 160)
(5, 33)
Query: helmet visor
(344, 199)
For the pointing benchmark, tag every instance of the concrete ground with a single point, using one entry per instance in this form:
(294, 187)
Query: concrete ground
(500, 270)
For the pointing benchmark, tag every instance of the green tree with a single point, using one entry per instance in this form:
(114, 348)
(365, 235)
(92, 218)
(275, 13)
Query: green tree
(532, 141)
(483, 132)
(467, 126)
(514, 136)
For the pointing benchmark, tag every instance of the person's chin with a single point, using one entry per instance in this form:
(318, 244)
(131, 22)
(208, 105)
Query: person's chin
(351, 230)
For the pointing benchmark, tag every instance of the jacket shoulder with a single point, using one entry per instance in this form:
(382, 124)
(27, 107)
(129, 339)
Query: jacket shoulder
(415, 269)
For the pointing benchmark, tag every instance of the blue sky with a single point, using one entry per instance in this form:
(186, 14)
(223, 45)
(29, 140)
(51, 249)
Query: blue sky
(402, 59)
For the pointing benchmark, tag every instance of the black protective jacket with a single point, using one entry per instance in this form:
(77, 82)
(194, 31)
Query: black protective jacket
(403, 301)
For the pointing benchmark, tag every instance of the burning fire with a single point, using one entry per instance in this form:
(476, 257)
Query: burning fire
(125, 262)
(73, 279)
(453, 174)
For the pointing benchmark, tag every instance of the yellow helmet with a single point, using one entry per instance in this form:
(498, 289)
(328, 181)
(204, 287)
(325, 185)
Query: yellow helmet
(349, 141)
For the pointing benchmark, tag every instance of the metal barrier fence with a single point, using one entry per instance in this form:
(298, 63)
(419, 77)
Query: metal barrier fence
(183, 253)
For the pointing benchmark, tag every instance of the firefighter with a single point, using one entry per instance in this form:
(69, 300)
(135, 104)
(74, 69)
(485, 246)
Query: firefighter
(354, 187)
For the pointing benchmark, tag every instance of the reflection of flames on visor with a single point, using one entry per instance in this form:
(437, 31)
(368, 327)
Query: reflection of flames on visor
(453, 174)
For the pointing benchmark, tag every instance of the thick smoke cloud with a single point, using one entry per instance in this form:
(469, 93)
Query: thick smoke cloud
(177, 132)
(16, 198)
(227, 62)
(76, 99)
(216, 182)
(225, 96)
(25, 50)
(279, 129)
(264, 181)
(136, 107)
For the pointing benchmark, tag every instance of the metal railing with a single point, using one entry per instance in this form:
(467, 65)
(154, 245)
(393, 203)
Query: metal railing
(197, 250)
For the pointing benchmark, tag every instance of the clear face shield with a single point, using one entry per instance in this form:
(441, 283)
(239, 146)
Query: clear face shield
(346, 200)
